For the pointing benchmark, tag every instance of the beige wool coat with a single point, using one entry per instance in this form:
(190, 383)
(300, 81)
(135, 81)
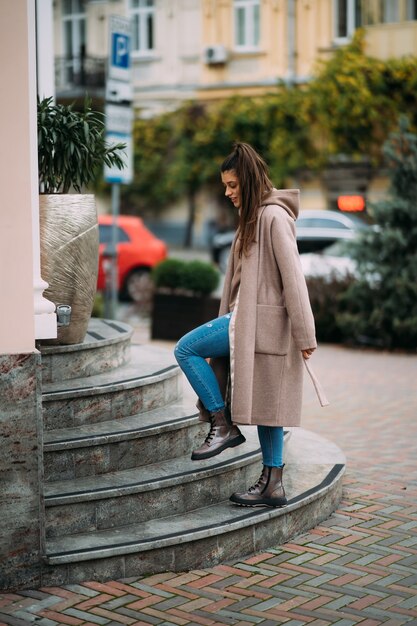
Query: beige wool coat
(271, 324)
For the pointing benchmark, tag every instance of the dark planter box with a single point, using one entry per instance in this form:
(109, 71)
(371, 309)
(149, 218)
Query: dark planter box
(175, 315)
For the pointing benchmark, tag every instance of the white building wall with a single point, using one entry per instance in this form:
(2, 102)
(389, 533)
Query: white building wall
(172, 71)
(17, 130)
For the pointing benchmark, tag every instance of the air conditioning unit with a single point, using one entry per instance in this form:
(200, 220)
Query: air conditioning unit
(215, 55)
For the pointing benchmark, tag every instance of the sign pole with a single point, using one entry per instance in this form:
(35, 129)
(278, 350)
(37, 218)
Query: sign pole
(110, 304)
(119, 118)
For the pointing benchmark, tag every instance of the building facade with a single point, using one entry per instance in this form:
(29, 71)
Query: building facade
(208, 49)
(212, 49)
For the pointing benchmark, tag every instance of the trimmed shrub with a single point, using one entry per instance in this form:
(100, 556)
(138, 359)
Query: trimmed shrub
(168, 273)
(326, 301)
(195, 276)
(200, 277)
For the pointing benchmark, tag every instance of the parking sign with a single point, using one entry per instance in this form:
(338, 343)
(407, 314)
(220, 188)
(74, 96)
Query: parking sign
(120, 43)
(119, 111)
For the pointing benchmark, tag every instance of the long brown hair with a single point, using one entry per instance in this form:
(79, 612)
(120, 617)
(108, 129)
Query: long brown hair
(252, 174)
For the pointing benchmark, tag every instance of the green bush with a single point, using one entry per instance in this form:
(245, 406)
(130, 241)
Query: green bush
(380, 308)
(326, 301)
(168, 273)
(195, 276)
(200, 277)
(98, 305)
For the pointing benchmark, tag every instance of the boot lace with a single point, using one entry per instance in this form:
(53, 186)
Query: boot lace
(211, 434)
(256, 485)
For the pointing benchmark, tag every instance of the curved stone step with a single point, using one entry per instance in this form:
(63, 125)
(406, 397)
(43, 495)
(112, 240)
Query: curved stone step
(105, 347)
(204, 536)
(151, 492)
(128, 442)
(151, 379)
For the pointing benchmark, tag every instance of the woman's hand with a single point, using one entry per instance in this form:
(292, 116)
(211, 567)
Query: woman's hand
(307, 353)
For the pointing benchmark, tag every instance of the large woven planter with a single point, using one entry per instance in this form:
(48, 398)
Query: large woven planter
(69, 258)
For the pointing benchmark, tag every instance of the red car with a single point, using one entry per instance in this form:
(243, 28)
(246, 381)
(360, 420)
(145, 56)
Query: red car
(138, 250)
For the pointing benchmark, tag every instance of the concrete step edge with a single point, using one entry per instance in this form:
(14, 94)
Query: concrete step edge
(116, 380)
(117, 332)
(144, 424)
(191, 527)
(147, 478)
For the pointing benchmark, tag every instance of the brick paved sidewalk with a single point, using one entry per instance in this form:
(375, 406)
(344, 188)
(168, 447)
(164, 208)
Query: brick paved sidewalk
(359, 567)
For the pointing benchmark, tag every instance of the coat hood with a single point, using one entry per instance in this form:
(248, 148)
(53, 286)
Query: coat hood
(288, 199)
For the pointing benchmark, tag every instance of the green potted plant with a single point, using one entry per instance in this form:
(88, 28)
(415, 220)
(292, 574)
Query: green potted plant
(183, 297)
(71, 151)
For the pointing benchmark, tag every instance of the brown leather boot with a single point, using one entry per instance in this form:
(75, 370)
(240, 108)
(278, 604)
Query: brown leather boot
(223, 434)
(268, 491)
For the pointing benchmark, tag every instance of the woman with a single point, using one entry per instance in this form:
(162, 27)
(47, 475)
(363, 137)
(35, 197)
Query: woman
(264, 332)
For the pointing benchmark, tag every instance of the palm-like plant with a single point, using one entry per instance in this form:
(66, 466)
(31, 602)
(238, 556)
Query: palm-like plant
(72, 147)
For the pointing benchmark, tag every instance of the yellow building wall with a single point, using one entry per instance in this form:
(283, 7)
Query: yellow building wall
(314, 34)
(392, 40)
(257, 72)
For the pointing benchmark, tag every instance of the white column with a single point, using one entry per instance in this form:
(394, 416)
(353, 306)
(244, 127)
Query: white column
(45, 48)
(18, 182)
(41, 48)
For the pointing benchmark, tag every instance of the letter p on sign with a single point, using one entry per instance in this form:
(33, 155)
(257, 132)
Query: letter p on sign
(120, 50)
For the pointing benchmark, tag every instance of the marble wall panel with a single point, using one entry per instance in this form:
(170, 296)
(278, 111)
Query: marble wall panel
(20, 470)
(92, 461)
(65, 520)
(58, 414)
(140, 507)
(207, 554)
(92, 409)
(234, 545)
(59, 465)
(80, 363)
(160, 560)
(111, 568)
(128, 402)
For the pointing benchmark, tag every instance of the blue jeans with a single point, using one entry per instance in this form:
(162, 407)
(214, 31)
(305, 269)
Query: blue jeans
(209, 341)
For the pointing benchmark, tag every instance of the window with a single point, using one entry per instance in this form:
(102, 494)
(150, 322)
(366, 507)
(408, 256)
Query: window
(142, 13)
(106, 234)
(411, 10)
(347, 17)
(390, 11)
(247, 23)
(74, 39)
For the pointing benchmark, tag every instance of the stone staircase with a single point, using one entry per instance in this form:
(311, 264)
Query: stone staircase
(121, 494)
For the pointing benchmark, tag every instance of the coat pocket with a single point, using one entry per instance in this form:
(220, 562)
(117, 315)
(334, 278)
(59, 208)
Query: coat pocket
(272, 330)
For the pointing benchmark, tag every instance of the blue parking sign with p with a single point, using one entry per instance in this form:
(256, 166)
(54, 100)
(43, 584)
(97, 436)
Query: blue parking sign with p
(120, 50)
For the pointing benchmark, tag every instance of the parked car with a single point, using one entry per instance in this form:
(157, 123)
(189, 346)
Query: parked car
(138, 250)
(315, 229)
(318, 229)
(333, 262)
(220, 248)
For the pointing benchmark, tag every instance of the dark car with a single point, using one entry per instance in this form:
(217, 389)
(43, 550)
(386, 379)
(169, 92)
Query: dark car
(316, 229)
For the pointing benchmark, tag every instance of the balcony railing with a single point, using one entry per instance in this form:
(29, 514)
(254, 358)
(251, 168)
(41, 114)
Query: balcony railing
(80, 73)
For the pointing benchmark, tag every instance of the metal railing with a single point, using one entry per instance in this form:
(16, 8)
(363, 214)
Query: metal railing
(75, 72)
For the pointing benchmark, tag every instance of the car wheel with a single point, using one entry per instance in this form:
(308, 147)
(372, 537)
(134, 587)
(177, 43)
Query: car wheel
(224, 258)
(139, 288)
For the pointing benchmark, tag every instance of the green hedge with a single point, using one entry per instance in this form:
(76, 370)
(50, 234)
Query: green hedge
(326, 299)
(195, 276)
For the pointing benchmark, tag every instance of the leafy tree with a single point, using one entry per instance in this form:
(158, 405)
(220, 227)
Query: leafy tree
(188, 169)
(348, 108)
(277, 125)
(382, 304)
(152, 188)
(355, 100)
